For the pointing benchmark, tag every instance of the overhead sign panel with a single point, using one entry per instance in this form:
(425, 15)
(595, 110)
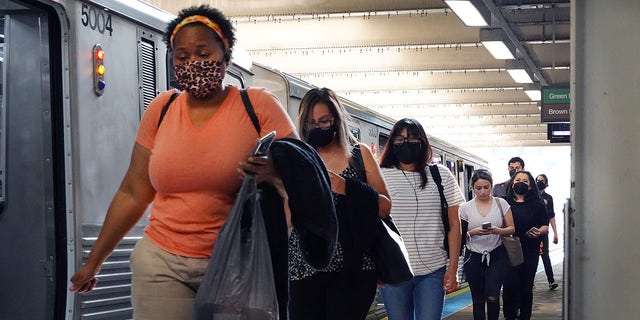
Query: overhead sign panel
(555, 113)
(555, 105)
(555, 95)
(559, 132)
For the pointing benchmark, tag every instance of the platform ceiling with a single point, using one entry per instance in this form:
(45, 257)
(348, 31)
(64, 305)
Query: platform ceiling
(412, 58)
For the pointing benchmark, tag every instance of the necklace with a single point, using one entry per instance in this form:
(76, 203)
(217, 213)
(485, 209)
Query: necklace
(330, 161)
(483, 207)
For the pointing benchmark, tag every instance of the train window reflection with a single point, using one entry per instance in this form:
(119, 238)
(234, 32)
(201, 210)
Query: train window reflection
(452, 166)
(382, 141)
(355, 132)
(437, 159)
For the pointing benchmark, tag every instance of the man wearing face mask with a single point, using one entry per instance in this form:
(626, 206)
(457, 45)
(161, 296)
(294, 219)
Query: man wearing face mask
(515, 164)
(543, 182)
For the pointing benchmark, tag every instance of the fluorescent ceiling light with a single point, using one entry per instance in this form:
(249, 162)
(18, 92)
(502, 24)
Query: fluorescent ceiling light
(496, 42)
(498, 49)
(520, 75)
(534, 95)
(533, 91)
(472, 12)
(518, 71)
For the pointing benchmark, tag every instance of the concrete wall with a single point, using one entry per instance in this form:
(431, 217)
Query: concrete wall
(603, 256)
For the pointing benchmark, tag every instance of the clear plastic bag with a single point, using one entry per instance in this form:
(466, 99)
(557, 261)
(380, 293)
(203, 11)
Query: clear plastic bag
(238, 283)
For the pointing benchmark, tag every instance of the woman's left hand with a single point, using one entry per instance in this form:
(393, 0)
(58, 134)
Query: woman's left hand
(534, 233)
(450, 282)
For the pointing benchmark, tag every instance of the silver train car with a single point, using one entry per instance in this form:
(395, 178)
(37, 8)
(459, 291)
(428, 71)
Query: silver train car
(75, 78)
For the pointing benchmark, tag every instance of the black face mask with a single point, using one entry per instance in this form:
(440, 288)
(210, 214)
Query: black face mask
(541, 185)
(512, 172)
(320, 138)
(407, 153)
(520, 188)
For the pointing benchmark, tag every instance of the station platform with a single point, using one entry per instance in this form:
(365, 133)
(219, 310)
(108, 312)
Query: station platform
(547, 304)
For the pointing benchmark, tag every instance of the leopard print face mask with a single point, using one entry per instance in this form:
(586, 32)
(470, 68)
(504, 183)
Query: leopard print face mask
(200, 78)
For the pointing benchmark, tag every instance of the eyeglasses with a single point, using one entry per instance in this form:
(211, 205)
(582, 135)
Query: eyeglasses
(398, 140)
(322, 124)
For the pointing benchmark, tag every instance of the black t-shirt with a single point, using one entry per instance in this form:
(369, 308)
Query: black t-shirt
(526, 215)
(550, 212)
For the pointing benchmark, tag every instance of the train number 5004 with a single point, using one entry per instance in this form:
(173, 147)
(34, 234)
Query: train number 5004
(96, 19)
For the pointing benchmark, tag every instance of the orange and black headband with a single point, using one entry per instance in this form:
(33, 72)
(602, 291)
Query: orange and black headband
(204, 20)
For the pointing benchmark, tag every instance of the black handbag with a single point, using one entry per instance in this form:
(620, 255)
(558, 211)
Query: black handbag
(390, 254)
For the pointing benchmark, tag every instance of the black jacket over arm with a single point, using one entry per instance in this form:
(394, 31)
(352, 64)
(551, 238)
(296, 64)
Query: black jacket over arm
(358, 220)
(312, 211)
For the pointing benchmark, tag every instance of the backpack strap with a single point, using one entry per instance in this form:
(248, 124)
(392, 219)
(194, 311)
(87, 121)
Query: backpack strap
(249, 107)
(435, 174)
(166, 106)
(245, 99)
(357, 163)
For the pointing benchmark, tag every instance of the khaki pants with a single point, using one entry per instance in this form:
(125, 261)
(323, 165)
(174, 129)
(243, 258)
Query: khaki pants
(164, 285)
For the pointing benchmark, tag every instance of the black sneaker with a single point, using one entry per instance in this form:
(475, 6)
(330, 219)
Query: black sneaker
(553, 286)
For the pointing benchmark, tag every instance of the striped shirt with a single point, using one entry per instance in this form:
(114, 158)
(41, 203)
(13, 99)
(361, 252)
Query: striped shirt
(416, 213)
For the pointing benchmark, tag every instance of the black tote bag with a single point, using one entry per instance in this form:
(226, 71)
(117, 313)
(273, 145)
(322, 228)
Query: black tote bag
(390, 254)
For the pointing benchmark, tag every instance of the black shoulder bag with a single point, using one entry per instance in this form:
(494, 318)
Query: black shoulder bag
(389, 252)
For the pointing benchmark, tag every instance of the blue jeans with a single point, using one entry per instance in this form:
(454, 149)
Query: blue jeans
(421, 298)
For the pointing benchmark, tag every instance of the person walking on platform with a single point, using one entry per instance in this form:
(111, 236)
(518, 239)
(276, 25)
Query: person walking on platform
(417, 213)
(531, 222)
(347, 286)
(486, 260)
(186, 169)
(543, 182)
(514, 165)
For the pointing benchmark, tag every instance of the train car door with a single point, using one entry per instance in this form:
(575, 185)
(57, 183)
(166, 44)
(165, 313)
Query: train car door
(28, 154)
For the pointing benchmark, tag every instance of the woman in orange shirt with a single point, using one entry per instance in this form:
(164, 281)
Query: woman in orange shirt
(187, 165)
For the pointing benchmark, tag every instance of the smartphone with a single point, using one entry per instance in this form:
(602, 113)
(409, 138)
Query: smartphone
(531, 230)
(263, 144)
(486, 225)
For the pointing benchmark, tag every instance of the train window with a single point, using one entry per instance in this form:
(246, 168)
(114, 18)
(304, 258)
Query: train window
(468, 171)
(171, 76)
(382, 141)
(436, 159)
(452, 166)
(355, 132)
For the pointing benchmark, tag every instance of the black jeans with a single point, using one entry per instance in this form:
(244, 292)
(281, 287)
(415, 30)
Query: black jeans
(332, 295)
(518, 286)
(546, 260)
(485, 281)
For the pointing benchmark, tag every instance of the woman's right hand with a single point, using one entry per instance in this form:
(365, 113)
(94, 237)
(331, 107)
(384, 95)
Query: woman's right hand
(84, 280)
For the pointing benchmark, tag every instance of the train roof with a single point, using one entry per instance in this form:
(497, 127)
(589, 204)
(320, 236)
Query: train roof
(362, 112)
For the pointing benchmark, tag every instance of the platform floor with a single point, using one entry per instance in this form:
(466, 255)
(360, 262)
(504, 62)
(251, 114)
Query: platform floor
(547, 304)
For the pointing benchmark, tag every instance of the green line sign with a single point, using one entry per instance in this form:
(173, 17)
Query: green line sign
(555, 95)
